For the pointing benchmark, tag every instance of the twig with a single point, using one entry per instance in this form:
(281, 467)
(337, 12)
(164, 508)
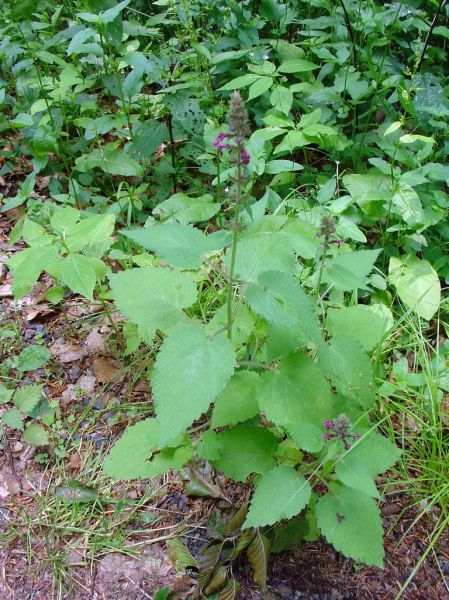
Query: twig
(350, 30)
(429, 34)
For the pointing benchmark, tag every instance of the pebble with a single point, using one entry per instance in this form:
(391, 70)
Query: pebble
(74, 373)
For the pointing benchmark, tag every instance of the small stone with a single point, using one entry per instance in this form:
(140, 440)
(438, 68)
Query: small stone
(18, 446)
(86, 383)
(284, 589)
(74, 373)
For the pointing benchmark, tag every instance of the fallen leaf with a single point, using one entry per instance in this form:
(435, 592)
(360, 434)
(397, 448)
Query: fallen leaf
(67, 352)
(105, 370)
(95, 342)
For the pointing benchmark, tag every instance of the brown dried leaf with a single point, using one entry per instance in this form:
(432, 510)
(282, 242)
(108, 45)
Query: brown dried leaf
(104, 369)
(67, 352)
(258, 551)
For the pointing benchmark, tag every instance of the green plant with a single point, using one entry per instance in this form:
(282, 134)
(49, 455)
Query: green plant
(291, 407)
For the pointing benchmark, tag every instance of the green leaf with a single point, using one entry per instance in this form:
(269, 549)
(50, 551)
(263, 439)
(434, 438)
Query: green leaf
(34, 234)
(113, 162)
(64, 219)
(351, 522)
(297, 65)
(27, 266)
(79, 39)
(158, 296)
(346, 363)
(33, 357)
(78, 274)
(295, 392)
(190, 371)
(281, 98)
(245, 449)
(364, 323)
(407, 204)
(417, 284)
(280, 299)
(27, 398)
(182, 246)
(290, 534)
(259, 87)
(240, 82)
(291, 141)
(273, 167)
(368, 457)
(237, 402)
(349, 270)
(308, 437)
(90, 232)
(35, 435)
(12, 418)
(280, 494)
(185, 210)
(132, 457)
(258, 551)
(76, 493)
(148, 137)
(261, 252)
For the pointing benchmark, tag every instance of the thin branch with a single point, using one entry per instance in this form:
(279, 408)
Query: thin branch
(429, 34)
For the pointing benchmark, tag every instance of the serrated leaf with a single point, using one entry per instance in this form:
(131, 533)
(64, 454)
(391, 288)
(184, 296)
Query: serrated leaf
(280, 299)
(295, 392)
(36, 435)
(182, 246)
(131, 456)
(368, 457)
(349, 270)
(256, 253)
(306, 436)
(33, 357)
(280, 494)
(180, 555)
(27, 397)
(257, 552)
(158, 296)
(351, 522)
(346, 363)
(366, 324)
(256, 449)
(12, 418)
(237, 402)
(190, 371)
(417, 284)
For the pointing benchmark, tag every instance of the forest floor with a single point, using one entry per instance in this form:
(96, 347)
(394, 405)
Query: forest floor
(115, 547)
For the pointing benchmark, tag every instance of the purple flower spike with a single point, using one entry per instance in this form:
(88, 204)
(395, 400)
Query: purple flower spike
(219, 142)
(245, 157)
(328, 425)
(327, 436)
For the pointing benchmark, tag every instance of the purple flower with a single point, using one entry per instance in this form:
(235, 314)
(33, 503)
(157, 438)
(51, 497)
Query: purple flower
(219, 142)
(328, 425)
(328, 436)
(245, 156)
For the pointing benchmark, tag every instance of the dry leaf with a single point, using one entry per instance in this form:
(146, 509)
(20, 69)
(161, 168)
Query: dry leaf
(105, 370)
(68, 352)
(95, 342)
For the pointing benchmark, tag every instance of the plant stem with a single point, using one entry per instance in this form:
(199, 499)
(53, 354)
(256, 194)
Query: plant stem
(235, 234)
(429, 34)
(321, 269)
